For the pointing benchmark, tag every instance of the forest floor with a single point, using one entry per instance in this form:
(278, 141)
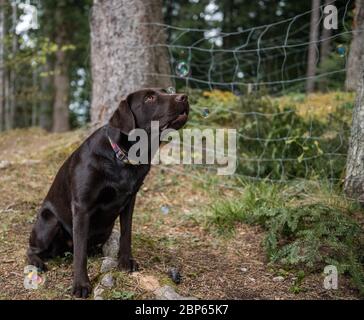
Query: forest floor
(212, 266)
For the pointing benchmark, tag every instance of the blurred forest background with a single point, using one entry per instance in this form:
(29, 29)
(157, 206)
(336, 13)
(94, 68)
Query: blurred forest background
(46, 71)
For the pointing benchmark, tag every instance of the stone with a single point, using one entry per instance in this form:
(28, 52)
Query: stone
(278, 279)
(107, 280)
(4, 164)
(147, 282)
(98, 291)
(175, 275)
(168, 293)
(111, 246)
(244, 269)
(108, 264)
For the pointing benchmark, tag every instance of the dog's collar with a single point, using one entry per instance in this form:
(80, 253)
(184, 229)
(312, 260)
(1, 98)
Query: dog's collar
(120, 153)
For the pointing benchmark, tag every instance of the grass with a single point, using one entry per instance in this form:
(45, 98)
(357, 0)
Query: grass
(304, 228)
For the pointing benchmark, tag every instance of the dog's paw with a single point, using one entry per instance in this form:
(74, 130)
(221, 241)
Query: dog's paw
(128, 265)
(38, 263)
(81, 289)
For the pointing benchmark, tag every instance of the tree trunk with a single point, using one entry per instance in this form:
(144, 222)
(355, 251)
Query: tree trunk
(356, 54)
(168, 17)
(312, 49)
(12, 80)
(61, 80)
(325, 48)
(35, 98)
(354, 182)
(123, 57)
(228, 22)
(46, 98)
(2, 65)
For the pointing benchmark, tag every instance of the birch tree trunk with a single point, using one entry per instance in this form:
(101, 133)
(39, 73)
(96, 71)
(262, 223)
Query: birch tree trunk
(312, 49)
(2, 65)
(61, 80)
(354, 182)
(356, 53)
(127, 52)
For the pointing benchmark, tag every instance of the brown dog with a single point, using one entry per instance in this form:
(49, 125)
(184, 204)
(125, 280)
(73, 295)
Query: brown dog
(97, 183)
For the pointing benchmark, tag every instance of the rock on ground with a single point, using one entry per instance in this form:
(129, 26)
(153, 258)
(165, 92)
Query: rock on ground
(146, 282)
(168, 293)
(98, 291)
(278, 279)
(111, 247)
(4, 164)
(107, 280)
(108, 264)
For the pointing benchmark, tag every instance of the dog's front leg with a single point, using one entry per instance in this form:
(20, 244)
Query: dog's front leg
(126, 261)
(81, 283)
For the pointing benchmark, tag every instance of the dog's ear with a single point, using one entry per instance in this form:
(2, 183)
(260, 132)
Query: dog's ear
(123, 118)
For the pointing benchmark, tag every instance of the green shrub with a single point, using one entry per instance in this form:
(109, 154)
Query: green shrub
(277, 140)
(299, 233)
(280, 144)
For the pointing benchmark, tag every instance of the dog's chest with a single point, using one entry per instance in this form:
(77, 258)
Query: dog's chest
(114, 195)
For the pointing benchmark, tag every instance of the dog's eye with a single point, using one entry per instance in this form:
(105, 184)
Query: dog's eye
(149, 98)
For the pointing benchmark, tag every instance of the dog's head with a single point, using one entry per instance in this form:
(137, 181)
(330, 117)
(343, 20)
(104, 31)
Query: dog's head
(142, 107)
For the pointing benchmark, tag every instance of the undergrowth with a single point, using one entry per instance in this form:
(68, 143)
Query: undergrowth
(307, 225)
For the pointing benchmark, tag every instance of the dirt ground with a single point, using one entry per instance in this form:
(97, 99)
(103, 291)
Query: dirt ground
(212, 266)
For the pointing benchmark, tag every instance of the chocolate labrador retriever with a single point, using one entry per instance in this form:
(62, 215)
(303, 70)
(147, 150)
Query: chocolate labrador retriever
(98, 183)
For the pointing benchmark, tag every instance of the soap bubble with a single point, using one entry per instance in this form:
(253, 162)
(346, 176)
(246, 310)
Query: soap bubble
(205, 112)
(182, 69)
(33, 276)
(171, 90)
(164, 209)
(341, 50)
(240, 75)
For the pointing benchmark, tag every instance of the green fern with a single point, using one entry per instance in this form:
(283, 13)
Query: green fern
(300, 235)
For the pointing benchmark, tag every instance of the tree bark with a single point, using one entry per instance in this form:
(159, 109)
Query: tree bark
(354, 182)
(35, 100)
(127, 52)
(12, 77)
(356, 53)
(325, 48)
(312, 49)
(61, 80)
(228, 22)
(46, 98)
(2, 65)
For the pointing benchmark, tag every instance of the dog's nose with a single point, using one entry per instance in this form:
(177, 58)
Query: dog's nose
(181, 98)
